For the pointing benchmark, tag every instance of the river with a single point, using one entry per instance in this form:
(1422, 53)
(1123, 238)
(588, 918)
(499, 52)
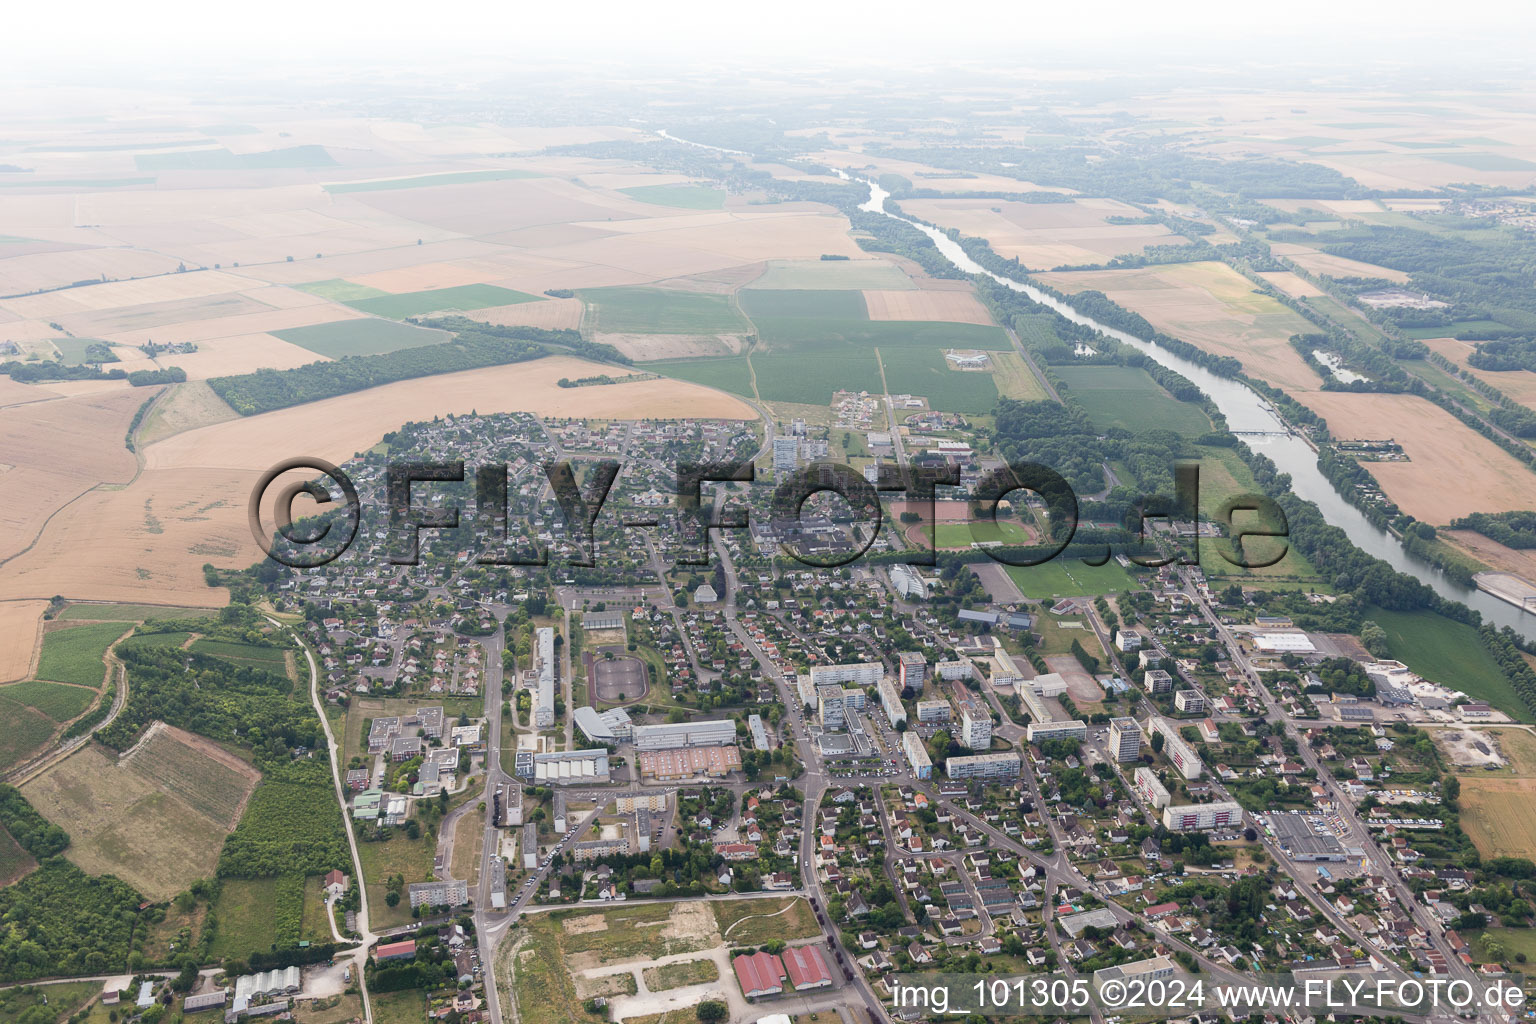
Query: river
(1248, 414)
(1251, 415)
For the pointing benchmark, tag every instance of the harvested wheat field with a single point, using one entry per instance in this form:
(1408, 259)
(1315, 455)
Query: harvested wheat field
(1212, 306)
(647, 347)
(1454, 471)
(1294, 285)
(236, 325)
(1045, 235)
(20, 633)
(149, 540)
(550, 314)
(660, 247)
(56, 450)
(117, 294)
(56, 269)
(1328, 265)
(1491, 553)
(242, 353)
(1519, 385)
(924, 304)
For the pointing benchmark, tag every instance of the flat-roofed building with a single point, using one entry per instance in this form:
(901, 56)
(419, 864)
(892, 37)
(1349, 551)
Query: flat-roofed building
(1157, 680)
(917, 755)
(688, 762)
(565, 766)
(544, 677)
(530, 846)
(1153, 968)
(1074, 729)
(912, 668)
(758, 732)
(1190, 702)
(1199, 817)
(451, 892)
(675, 735)
(831, 707)
(1124, 739)
(951, 671)
(1177, 751)
(1150, 787)
(862, 673)
(935, 712)
(975, 726)
(1003, 765)
(611, 726)
(890, 700)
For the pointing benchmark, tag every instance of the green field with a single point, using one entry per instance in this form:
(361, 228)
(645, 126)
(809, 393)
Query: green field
(1125, 397)
(1069, 577)
(810, 378)
(25, 732)
(801, 333)
(362, 337)
(685, 197)
(410, 858)
(1450, 331)
(339, 289)
(803, 302)
(72, 350)
(427, 181)
(928, 373)
(74, 654)
(269, 658)
(408, 1007)
(1484, 161)
(246, 921)
(961, 535)
(224, 160)
(856, 275)
(132, 612)
(45, 1002)
(730, 373)
(59, 701)
(660, 311)
(1448, 652)
(436, 300)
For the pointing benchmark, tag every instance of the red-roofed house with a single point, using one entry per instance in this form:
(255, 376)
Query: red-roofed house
(405, 950)
(1161, 910)
(806, 968)
(761, 974)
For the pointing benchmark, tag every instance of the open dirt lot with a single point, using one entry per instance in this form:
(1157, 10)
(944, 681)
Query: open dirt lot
(124, 823)
(619, 680)
(1453, 471)
(1333, 266)
(1212, 306)
(1045, 235)
(148, 541)
(927, 304)
(1081, 686)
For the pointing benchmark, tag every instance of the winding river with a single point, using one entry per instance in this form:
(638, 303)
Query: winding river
(1249, 414)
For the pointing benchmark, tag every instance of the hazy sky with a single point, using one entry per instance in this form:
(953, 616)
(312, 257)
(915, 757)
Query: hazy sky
(161, 36)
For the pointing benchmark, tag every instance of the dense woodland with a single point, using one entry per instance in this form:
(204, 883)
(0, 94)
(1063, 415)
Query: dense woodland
(215, 698)
(33, 832)
(266, 389)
